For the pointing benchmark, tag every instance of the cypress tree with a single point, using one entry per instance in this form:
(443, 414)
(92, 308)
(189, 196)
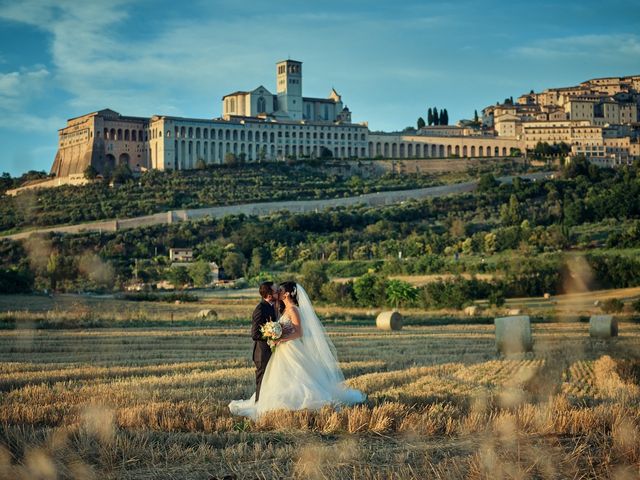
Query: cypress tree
(436, 119)
(430, 116)
(420, 122)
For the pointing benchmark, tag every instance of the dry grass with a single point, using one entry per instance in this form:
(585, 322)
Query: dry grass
(151, 403)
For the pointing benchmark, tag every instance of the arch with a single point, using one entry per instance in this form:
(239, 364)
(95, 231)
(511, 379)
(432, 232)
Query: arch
(342, 152)
(262, 105)
(264, 137)
(250, 136)
(176, 159)
(119, 134)
(205, 151)
(126, 135)
(473, 150)
(133, 136)
(124, 158)
(496, 151)
(394, 150)
(190, 158)
(182, 132)
(198, 153)
(220, 134)
(386, 150)
(106, 134)
(504, 151)
(402, 150)
(212, 152)
(109, 162)
(205, 133)
(213, 134)
(464, 151)
(378, 148)
(272, 137)
(371, 154)
(410, 150)
(448, 150)
(235, 135)
(190, 134)
(457, 151)
(480, 151)
(140, 136)
(183, 154)
(242, 136)
(425, 152)
(362, 152)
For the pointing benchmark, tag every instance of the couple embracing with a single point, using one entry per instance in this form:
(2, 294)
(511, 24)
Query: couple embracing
(302, 371)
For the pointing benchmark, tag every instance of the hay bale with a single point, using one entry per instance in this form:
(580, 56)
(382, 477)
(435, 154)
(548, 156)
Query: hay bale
(513, 334)
(547, 296)
(603, 326)
(206, 313)
(389, 321)
(513, 312)
(471, 311)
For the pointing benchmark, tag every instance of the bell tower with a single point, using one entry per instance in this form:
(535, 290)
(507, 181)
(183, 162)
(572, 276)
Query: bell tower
(289, 88)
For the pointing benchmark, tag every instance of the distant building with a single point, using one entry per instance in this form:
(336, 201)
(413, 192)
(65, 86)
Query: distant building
(181, 254)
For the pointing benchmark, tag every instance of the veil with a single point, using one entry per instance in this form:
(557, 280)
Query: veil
(317, 343)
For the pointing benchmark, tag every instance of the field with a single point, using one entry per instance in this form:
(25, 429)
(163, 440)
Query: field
(150, 403)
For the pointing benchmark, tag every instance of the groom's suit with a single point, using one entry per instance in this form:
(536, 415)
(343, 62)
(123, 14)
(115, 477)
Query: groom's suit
(263, 313)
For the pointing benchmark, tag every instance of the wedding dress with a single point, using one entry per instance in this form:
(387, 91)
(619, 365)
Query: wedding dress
(302, 373)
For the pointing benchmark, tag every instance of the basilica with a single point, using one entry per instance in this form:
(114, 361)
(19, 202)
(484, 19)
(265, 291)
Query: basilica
(255, 125)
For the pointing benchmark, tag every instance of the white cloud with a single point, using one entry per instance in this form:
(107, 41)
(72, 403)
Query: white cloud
(583, 46)
(19, 87)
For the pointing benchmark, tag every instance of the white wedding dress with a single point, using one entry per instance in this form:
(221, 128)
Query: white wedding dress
(301, 373)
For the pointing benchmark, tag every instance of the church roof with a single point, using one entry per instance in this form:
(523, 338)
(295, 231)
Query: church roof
(238, 92)
(319, 100)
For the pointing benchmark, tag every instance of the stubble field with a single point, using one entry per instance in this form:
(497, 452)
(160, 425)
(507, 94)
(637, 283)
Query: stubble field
(151, 403)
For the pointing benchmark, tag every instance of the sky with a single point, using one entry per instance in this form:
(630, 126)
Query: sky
(389, 60)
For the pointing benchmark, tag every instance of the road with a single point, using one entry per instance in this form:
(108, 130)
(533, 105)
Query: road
(268, 208)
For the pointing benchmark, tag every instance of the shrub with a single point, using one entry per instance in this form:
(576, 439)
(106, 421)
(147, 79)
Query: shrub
(612, 305)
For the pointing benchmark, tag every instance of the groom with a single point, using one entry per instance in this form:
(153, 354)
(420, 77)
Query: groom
(264, 312)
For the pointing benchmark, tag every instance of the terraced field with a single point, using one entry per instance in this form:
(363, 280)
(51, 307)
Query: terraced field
(151, 403)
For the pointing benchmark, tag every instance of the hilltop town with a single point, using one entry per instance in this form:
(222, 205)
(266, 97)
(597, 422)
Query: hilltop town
(597, 119)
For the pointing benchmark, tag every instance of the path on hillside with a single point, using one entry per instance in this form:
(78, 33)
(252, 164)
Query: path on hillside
(267, 208)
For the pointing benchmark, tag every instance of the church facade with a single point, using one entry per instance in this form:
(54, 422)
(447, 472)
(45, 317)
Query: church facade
(256, 125)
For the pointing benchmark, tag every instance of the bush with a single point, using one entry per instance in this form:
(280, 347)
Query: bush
(370, 290)
(314, 278)
(338, 293)
(636, 306)
(612, 305)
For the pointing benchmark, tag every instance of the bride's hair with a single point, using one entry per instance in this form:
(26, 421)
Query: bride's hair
(291, 289)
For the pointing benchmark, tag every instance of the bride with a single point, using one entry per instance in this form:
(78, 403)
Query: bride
(303, 371)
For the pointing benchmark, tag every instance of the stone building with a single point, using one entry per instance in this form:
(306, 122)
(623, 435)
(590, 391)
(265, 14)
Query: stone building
(102, 139)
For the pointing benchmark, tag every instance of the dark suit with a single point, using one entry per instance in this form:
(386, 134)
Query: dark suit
(263, 313)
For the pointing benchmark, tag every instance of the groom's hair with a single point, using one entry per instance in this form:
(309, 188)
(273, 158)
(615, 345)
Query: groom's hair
(266, 289)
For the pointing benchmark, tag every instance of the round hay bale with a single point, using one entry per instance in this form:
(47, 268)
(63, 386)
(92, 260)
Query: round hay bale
(472, 310)
(603, 326)
(547, 296)
(513, 334)
(205, 313)
(389, 321)
(513, 312)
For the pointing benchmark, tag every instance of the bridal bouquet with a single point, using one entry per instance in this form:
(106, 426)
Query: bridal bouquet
(271, 331)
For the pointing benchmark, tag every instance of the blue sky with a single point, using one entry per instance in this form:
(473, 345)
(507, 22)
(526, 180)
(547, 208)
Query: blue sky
(389, 60)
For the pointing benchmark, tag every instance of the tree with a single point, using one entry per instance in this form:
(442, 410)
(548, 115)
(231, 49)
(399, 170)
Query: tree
(200, 273)
(178, 276)
(122, 173)
(436, 119)
(430, 117)
(444, 117)
(230, 159)
(325, 153)
(201, 164)
(511, 213)
(234, 264)
(420, 123)
(314, 278)
(370, 290)
(54, 266)
(90, 173)
(487, 182)
(476, 120)
(400, 293)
